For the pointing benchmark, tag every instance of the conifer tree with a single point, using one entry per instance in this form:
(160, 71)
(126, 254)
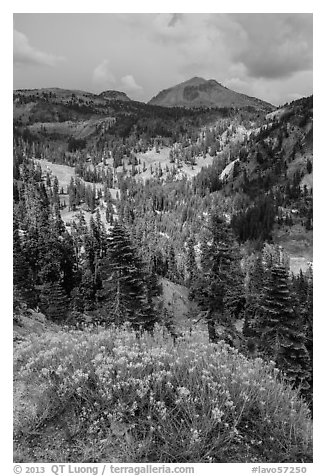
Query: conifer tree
(56, 199)
(256, 281)
(308, 316)
(84, 295)
(218, 288)
(302, 286)
(79, 233)
(72, 191)
(282, 338)
(95, 234)
(123, 293)
(191, 265)
(50, 255)
(30, 248)
(101, 234)
(67, 263)
(24, 289)
(172, 265)
(54, 301)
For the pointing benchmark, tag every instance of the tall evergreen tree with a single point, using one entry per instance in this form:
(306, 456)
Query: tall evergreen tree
(123, 293)
(67, 263)
(72, 191)
(173, 274)
(281, 334)
(56, 198)
(24, 288)
(79, 234)
(101, 234)
(191, 265)
(255, 289)
(83, 296)
(302, 287)
(54, 301)
(218, 288)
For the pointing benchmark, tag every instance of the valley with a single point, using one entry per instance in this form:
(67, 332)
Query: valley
(162, 170)
(160, 250)
(156, 162)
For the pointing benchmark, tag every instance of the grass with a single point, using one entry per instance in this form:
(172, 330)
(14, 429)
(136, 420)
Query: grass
(153, 159)
(110, 395)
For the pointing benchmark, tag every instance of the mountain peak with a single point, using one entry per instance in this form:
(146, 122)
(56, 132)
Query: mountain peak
(195, 80)
(112, 95)
(198, 80)
(200, 92)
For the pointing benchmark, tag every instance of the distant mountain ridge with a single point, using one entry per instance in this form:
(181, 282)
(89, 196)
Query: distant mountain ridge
(61, 93)
(199, 92)
(193, 93)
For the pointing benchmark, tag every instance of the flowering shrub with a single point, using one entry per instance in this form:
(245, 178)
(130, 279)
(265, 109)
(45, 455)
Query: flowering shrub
(159, 400)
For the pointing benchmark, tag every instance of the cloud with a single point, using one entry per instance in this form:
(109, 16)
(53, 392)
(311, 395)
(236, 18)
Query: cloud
(129, 84)
(24, 53)
(273, 45)
(167, 28)
(264, 55)
(193, 43)
(184, 31)
(277, 91)
(102, 75)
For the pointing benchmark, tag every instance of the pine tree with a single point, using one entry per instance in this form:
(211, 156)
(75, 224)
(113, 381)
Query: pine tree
(191, 265)
(101, 234)
(302, 286)
(24, 289)
(67, 263)
(218, 288)
(308, 316)
(72, 191)
(50, 256)
(84, 295)
(123, 293)
(256, 281)
(282, 338)
(79, 234)
(95, 235)
(54, 301)
(56, 199)
(173, 274)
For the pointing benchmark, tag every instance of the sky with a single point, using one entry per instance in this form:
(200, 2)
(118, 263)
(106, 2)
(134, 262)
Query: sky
(266, 55)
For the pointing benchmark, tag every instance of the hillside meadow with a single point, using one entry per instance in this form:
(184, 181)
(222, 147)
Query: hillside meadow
(97, 395)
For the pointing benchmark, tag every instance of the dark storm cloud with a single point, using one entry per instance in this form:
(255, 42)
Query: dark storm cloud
(274, 45)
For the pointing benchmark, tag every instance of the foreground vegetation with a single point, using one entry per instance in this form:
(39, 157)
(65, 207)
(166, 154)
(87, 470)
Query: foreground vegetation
(98, 394)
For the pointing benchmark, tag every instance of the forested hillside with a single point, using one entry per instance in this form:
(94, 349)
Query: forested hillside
(116, 200)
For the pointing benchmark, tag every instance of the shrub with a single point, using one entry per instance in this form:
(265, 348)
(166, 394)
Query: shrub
(150, 398)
